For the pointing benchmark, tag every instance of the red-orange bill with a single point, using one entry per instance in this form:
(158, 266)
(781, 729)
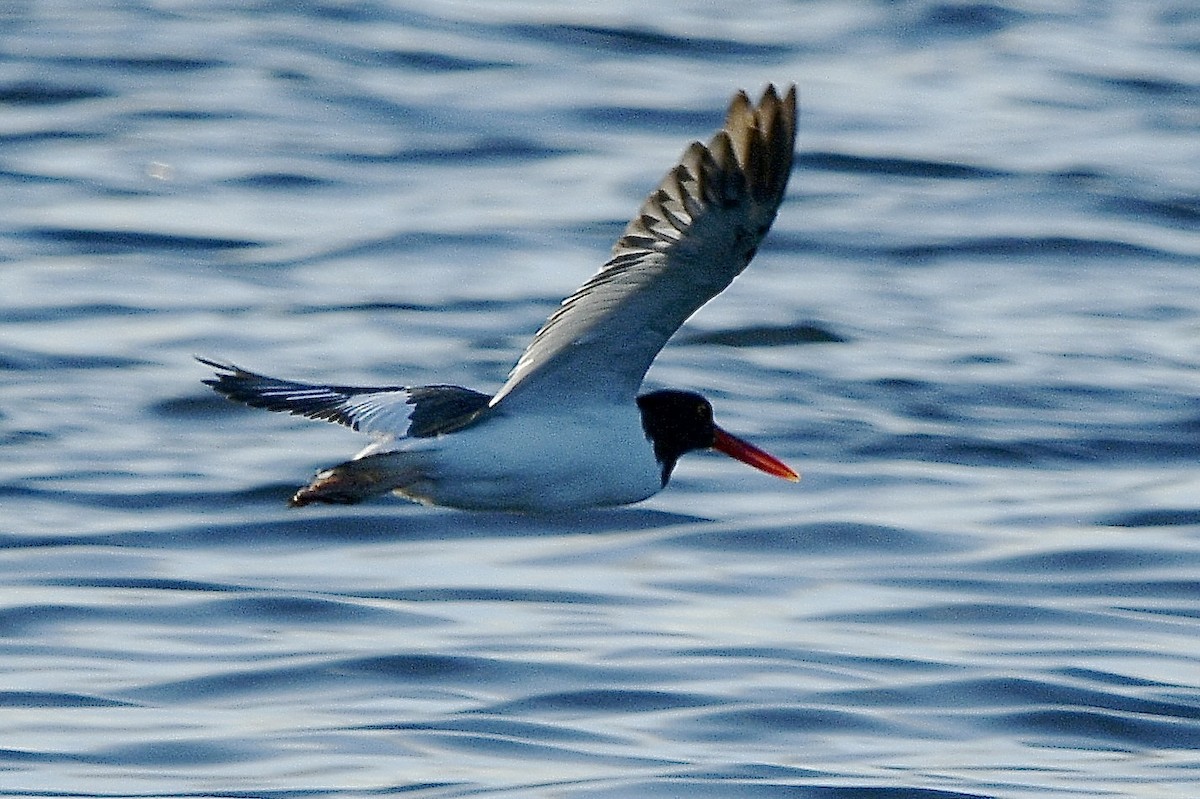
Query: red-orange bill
(751, 455)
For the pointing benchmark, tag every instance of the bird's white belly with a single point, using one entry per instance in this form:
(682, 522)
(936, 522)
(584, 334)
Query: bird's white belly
(540, 463)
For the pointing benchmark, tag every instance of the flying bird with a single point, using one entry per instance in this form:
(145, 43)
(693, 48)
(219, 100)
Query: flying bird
(568, 429)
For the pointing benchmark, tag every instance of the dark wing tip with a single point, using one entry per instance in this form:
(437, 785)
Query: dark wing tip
(223, 370)
(225, 367)
(230, 380)
(235, 383)
(761, 140)
(747, 163)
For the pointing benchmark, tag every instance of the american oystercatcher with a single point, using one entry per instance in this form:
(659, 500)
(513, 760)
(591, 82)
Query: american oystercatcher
(568, 429)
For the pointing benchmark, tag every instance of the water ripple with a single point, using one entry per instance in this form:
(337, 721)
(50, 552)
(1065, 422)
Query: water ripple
(985, 585)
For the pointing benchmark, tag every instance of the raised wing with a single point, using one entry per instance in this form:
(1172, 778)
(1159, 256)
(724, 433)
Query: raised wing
(691, 238)
(392, 411)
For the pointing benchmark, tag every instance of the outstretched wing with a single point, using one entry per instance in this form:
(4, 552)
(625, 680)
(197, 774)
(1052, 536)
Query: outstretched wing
(383, 411)
(691, 238)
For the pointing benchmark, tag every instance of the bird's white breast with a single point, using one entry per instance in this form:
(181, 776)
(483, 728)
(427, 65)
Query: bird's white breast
(541, 462)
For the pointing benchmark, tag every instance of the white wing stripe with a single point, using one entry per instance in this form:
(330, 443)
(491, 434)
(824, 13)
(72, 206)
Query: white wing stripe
(379, 411)
(391, 411)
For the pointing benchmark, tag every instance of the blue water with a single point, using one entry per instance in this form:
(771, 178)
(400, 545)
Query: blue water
(975, 328)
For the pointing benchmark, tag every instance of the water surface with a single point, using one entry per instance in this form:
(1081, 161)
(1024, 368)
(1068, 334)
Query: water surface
(975, 328)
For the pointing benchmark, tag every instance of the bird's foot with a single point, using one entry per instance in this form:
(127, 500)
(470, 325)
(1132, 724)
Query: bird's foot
(338, 486)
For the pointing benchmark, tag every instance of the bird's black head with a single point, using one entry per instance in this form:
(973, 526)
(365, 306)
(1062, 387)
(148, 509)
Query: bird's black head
(676, 422)
(680, 421)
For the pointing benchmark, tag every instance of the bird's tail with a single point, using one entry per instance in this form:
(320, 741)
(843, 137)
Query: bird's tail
(359, 479)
